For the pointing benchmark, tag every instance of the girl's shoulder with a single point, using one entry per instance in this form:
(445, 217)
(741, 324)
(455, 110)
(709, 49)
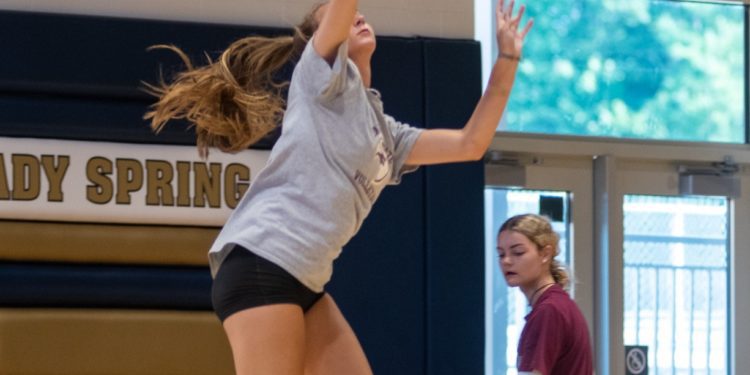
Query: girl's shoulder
(313, 75)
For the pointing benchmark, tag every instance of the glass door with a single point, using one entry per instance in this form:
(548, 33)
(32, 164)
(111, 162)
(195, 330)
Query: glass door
(675, 282)
(558, 189)
(667, 252)
(508, 306)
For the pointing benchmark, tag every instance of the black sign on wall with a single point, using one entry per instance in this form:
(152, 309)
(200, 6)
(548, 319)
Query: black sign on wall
(636, 360)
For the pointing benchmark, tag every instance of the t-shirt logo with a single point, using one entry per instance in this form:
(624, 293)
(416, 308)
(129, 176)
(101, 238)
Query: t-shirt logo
(384, 163)
(384, 157)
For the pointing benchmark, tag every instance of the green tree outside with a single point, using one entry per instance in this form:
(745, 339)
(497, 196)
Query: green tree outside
(636, 69)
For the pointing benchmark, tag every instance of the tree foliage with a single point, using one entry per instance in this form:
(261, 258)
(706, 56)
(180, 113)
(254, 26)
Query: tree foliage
(636, 69)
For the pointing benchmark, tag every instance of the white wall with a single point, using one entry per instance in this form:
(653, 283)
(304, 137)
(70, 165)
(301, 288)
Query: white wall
(435, 18)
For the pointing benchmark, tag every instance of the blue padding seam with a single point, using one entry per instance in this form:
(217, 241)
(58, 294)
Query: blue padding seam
(88, 286)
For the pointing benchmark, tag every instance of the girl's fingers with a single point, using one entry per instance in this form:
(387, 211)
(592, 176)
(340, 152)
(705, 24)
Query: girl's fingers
(510, 9)
(517, 19)
(504, 16)
(527, 28)
(497, 9)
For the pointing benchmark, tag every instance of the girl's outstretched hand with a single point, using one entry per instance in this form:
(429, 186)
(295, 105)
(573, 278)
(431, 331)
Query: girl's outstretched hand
(509, 38)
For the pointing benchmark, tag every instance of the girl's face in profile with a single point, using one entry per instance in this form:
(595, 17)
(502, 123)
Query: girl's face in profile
(361, 35)
(521, 261)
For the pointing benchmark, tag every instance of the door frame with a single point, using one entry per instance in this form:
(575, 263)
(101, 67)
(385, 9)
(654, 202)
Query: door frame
(605, 169)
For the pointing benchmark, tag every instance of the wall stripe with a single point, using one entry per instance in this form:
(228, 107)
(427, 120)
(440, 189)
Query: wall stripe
(113, 342)
(104, 243)
(99, 286)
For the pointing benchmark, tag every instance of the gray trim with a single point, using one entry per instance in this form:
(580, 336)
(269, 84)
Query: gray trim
(739, 279)
(608, 243)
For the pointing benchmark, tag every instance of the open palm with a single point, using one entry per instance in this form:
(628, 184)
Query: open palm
(509, 38)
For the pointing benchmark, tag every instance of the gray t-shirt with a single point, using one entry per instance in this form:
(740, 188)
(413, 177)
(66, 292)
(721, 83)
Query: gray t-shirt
(336, 153)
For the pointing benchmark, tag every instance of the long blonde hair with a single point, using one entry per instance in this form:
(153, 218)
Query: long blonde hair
(232, 102)
(539, 231)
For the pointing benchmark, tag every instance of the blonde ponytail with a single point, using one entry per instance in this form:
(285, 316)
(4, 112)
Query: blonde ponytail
(234, 101)
(560, 274)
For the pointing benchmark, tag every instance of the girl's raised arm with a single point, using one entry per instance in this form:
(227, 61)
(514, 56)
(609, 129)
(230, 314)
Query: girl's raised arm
(437, 146)
(336, 19)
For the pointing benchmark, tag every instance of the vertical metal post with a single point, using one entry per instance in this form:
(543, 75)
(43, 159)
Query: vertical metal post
(747, 74)
(674, 319)
(709, 328)
(637, 306)
(656, 326)
(692, 319)
(608, 245)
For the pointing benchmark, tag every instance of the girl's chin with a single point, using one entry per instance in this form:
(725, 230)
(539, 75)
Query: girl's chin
(512, 280)
(362, 44)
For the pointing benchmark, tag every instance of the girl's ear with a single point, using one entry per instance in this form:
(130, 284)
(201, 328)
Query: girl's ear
(547, 253)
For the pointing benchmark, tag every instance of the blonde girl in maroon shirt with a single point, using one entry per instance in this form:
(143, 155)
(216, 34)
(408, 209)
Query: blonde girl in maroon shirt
(555, 339)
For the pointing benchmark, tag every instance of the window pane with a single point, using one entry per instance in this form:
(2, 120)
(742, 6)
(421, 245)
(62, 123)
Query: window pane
(637, 69)
(675, 282)
(507, 307)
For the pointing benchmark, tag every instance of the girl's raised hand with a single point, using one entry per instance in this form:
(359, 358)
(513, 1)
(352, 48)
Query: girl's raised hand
(509, 38)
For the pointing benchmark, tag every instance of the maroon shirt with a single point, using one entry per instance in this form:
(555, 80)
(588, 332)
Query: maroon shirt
(555, 339)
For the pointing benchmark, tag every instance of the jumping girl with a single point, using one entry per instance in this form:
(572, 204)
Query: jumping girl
(336, 153)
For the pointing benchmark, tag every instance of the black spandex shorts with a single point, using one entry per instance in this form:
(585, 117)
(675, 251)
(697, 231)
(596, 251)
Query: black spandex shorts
(246, 280)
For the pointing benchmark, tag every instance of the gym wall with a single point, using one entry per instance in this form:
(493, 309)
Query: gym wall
(101, 297)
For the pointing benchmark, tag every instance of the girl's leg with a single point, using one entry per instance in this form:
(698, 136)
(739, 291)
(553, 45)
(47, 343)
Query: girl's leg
(267, 340)
(331, 346)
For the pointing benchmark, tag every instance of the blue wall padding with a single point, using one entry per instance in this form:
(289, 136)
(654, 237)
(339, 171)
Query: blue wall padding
(100, 56)
(379, 278)
(411, 283)
(74, 118)
(87, 71)
(397, 73)
(454, 212)
(88, 286)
